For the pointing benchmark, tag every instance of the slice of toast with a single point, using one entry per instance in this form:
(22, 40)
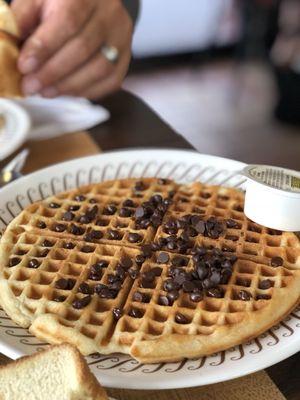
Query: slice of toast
(58, 373)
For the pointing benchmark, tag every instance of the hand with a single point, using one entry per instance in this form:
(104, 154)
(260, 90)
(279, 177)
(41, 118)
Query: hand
(63, 41)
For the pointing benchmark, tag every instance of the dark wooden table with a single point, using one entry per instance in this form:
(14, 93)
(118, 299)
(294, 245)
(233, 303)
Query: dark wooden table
(134, 124)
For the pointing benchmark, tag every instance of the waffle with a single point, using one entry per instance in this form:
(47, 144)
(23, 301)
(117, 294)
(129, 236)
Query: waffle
(145, 297)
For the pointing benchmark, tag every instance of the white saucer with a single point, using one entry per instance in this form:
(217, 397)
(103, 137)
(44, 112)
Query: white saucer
(14, 127)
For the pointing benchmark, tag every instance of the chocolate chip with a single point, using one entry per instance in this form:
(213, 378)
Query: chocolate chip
(115, 278)
(225, 276)
(125, 212)
(84, 219)
(85, 288)
(105, 293)
(181, 319)
(162, 181)
(201, 270)
(68, 245)
(170, 285)
(139, 186)
(156, 199)
(41, 225)
(76, 230)
(149, 276)
(110, 209)
(232, 224)
(59, 228)
(93, 235)
(200, 227)
(117, 313)
(68, 216)
(139, 212)
(79, 197)
(54, 205)
(163, 301)
(114, 234)
(96, 234)
(126, 262)
(61, 284)
(99, 287)
(196, 296)
(207, 283)
(146, 250)
(128, 203)
(179, 261)
(138, 296)
(215, 292)
(99, 265)
(139, 259)
(226, 263)
(156, 271)
(22, 252)
(59, 299)
(14, 261)
(116, 286)
(265, 284)
(244, 295)
(215, 277)
(47, 243)
(135, 313)
(133, 273)
(73, 207)
(163, 258)
(180, 278)
(173, 295)
(33, 263)
(87, 249)
(147, 284)
(134, 237)
(188, 286)
(95, 276)
(81, 303)
(276, 262)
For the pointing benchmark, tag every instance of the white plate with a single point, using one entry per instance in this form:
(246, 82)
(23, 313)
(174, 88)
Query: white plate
(121, 371)
(16, 125)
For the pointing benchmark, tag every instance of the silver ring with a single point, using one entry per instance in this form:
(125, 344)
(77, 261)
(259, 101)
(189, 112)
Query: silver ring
(111, 53)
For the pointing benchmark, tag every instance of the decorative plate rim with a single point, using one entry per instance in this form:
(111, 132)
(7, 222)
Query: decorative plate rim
(180, 376)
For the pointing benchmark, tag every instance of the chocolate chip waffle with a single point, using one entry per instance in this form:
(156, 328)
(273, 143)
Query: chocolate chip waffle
(146, 267)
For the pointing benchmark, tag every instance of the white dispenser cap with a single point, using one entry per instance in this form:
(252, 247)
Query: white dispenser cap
(273, 197)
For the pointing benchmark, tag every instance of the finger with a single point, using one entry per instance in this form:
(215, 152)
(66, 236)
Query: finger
(60, 22)
(70, 57)
(27, 14)
(95, 70)
(111, 84)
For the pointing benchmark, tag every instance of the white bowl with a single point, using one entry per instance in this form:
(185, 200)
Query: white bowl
(15, 128)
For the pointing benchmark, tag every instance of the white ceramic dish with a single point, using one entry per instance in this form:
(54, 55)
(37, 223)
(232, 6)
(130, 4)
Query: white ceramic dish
(15, 126)
(121, 371)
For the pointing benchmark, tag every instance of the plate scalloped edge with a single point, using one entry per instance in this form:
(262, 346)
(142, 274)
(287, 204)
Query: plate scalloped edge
(119, 370)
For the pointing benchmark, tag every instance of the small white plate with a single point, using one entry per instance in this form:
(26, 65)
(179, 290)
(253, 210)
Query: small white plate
(121, 371)
(14, 127)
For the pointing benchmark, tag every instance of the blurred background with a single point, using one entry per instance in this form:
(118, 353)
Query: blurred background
(218, 70)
